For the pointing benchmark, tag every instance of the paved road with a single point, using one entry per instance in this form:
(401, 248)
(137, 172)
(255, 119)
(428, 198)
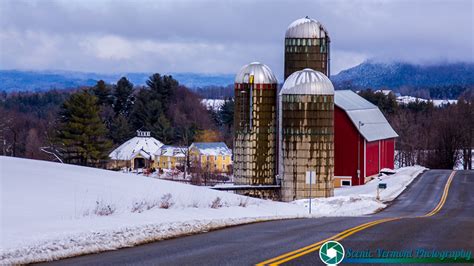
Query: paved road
(250, 244)
(451, 228)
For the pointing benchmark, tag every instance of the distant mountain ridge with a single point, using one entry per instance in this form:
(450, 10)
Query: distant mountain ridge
(366, 75)
(396, 75)
(20, 80)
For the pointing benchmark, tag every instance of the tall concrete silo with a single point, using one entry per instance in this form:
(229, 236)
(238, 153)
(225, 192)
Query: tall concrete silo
(307, 45)
(255, 125)
(306, 129)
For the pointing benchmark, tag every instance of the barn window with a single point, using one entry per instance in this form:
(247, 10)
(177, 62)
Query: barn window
(346, 183)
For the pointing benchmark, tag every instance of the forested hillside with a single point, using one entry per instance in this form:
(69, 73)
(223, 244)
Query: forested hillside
(441, 81)
(82, 125)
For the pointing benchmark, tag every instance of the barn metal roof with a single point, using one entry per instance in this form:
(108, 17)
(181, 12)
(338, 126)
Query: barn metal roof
(261, 72)
(307, 82)
(305, 28)
(374, 126)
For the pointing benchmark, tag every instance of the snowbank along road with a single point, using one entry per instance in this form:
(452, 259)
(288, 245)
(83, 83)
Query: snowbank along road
(435, 212)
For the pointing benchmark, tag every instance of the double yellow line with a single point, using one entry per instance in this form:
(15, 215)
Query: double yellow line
(314, 247)
(443, 198)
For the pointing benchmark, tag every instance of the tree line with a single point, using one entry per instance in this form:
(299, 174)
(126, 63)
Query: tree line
(435, 137)
(82, 125)
(216, 92)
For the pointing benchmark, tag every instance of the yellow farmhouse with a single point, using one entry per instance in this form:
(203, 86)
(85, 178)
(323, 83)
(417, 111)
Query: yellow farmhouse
(170, 157)
(211, 156)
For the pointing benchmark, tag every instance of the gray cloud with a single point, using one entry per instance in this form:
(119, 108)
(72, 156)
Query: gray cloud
(220, 36)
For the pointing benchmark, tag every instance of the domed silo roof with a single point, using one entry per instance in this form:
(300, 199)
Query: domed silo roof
(306, 28)
(261, 72)
(307, 81)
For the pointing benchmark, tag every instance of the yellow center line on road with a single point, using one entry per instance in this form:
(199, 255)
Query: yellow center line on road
(443, 197)
(316, 246)
(267, 262)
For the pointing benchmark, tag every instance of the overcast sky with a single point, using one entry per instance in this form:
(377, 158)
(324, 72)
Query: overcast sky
(220, 36)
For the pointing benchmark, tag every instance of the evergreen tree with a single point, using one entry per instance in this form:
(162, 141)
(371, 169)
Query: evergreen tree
(151, 107)
(386, 103)
(81, 133)
(162, 88)
(120, 129)
(226, 114)
(215, 117)
(103, 93)
(123, 97)
(148, 113)
(163, 129)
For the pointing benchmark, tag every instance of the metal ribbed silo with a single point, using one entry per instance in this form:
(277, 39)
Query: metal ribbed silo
(307, 45)
(306, 129)
(255, 125)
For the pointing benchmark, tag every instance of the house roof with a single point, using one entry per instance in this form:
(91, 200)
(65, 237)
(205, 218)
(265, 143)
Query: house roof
(172, 151)
(145, 146)
(212, 148)
(374, 126)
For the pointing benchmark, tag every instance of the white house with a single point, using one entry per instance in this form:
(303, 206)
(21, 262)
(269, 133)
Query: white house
(135, 153)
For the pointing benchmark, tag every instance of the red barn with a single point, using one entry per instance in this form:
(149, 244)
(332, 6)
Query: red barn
(363, 140)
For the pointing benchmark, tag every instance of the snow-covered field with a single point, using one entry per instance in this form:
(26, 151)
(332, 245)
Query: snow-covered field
(50, 210)
(436, 102)
(213, 104)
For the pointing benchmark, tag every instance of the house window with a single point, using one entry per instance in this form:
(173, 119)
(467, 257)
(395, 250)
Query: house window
(346, 183)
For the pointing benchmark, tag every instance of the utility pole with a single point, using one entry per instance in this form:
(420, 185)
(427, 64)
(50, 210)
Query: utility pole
(310, 184)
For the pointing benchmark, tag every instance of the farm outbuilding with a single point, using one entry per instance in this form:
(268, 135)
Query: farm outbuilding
(307, 45)
(170, 157)
(212, 157)
(136, 153)
(364, 141)
(323, 139)
(306, 133)
(255, 137)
